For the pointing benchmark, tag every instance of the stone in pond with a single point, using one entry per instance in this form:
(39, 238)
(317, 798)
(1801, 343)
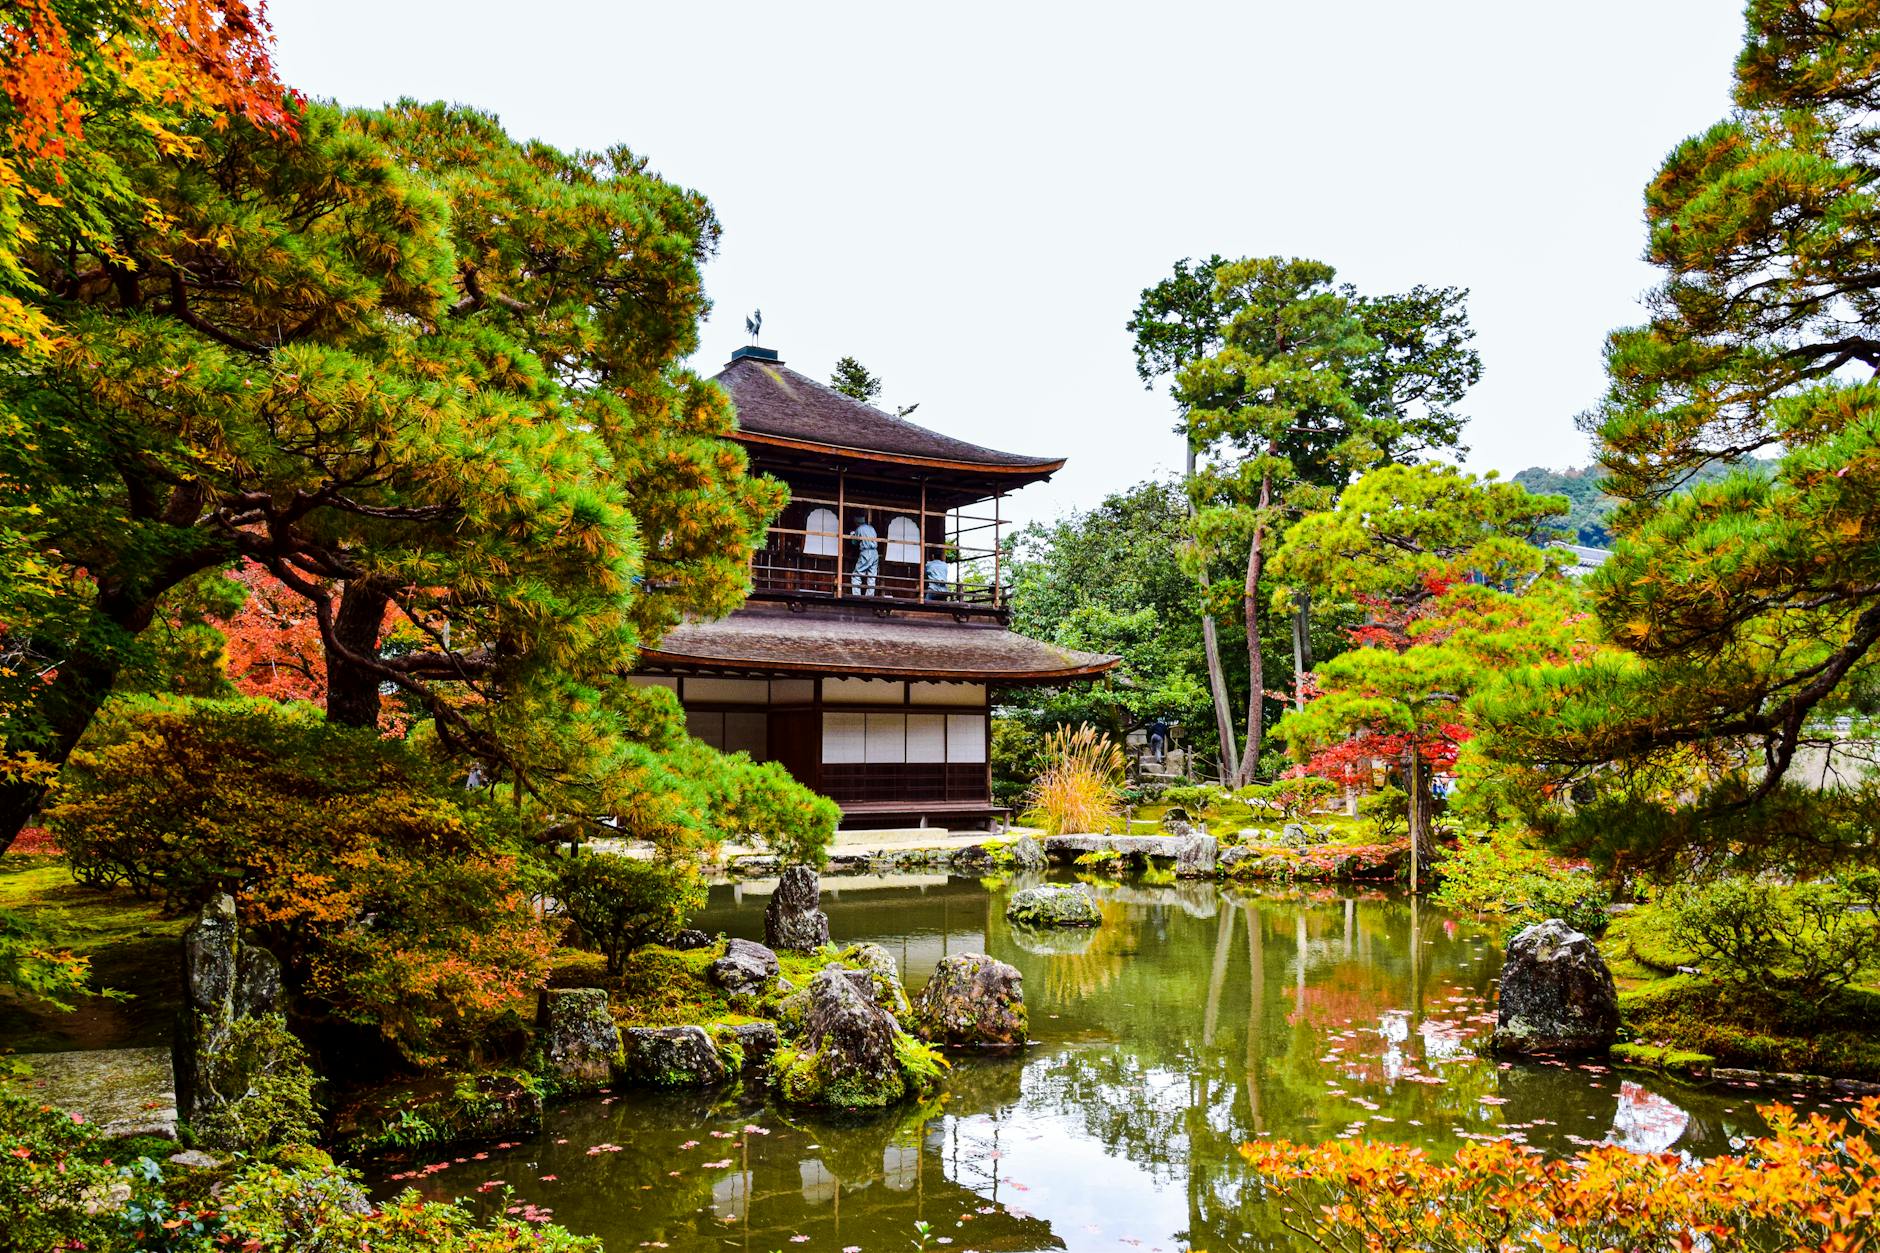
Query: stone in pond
(673, 1057)
(881, 976)
(757, 1041)
(580, 1041)
(1196, 857)
(1027, 854)
(1556, 994)
(792, 919)
(689, 938)
(850, 1056)
(745, 967)
(1052, 905)
(971, 1001)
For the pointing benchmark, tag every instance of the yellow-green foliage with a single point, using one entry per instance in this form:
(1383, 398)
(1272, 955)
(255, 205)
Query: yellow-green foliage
(1081, 787)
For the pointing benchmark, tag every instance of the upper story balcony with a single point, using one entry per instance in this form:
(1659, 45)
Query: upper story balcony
(884, 514)
(867, 545)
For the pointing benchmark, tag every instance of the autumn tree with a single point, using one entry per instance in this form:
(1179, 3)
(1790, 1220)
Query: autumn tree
(1747, 608)
(1435, 554)
(427, 378)
(1311, 385)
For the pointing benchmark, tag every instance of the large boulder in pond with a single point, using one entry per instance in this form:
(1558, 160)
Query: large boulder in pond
(851, 1053)
(972, 1001)
(746, 967)
(1556, 994)
(580, 1040)
(1197, 857)
(883, 976)
(673, 1057)
(793, 920)
(1053, 905)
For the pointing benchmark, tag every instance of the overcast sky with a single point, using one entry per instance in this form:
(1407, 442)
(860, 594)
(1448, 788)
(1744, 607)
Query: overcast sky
(969, 198)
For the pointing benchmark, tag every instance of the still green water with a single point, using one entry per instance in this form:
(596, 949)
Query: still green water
(1195, 1019)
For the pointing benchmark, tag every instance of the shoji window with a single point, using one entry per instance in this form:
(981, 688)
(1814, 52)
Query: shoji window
(844, 737)
(966, 738)
(824, 533)
(903, 540)
(926, 737)
(887, 739)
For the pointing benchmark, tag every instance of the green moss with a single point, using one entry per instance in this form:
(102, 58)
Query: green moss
(1836, 1034)
(1637, 945)
(1657, 1057)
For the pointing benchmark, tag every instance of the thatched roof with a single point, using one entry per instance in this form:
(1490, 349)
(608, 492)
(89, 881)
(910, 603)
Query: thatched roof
(779, 406)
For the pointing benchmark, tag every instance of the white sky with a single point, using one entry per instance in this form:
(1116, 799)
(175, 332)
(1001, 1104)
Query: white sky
(969, 197)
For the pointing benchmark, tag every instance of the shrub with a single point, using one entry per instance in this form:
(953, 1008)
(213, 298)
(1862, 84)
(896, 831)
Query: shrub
(1388, 811)
(48, 1170)
(1293, 797)
(1199, 799)
(324, 1210)
(621, 903)
(393, 898)
(1499, 873)
(1811, 1181)
(1836, 1032)
(1017, 757)
(1082, 782)
(1804, 936)
(260, 1070)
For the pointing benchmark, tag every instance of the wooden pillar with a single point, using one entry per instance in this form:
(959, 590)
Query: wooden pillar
(920, 554)
(998, 590)
(842, 524)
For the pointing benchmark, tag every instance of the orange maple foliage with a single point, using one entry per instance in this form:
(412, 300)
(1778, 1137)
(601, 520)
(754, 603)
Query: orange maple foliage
(274, 646)
(1811, 1185)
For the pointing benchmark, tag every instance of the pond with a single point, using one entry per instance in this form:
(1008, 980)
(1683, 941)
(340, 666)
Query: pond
(1194, 1020)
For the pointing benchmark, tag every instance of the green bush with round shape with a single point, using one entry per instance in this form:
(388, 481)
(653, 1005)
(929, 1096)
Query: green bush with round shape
(623, 903)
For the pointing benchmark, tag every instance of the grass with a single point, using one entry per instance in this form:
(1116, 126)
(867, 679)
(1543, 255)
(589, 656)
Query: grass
(133, 948)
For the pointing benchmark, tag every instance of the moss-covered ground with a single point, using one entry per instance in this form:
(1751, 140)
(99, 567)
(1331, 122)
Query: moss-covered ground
(665, 987)
(132, 948)
(1756, 1028)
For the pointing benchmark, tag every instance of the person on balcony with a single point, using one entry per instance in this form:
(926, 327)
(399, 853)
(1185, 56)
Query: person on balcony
(867, 558)
(939, 577)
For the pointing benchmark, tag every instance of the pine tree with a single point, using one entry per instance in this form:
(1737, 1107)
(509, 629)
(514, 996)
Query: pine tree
(425, 376)
(1749, 607)
(852, 378)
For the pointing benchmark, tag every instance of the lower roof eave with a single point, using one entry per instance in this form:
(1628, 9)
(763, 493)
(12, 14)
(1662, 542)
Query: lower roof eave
(657, 659)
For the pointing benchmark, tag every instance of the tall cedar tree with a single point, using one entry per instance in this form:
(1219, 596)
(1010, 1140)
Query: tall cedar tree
(1748, 607)
(1312, 384)
(1428, 549)
(422, 374)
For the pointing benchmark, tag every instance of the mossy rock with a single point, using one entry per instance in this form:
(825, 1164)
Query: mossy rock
(679, 1057)
(1052, 905)
(853, 1054)
(1660, 1057)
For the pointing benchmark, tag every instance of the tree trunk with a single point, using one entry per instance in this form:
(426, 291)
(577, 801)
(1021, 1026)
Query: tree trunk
(73, 697)
(352, 691)
(1217, 677)
(1302, 645)
(1256, 665)
(1419, 805)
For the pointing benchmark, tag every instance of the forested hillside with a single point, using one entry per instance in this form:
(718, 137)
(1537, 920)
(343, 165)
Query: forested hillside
(1585, 522)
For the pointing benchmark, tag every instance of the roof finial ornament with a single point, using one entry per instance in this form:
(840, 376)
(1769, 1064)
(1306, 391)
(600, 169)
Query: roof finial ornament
(754, 323)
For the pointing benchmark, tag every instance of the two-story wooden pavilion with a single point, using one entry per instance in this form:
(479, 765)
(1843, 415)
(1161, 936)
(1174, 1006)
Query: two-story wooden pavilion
(867, 658)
